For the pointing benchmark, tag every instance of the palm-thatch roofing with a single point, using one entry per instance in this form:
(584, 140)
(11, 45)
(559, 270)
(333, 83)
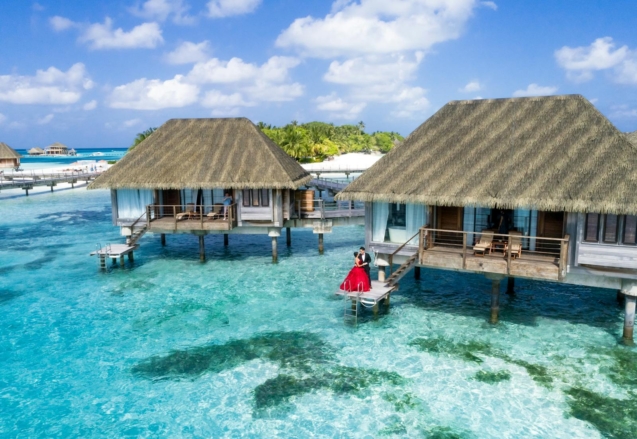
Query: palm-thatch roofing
(556, 153)
(57, 145)
(632, 137)
(35, 151)
(6, 152)
(205, 153)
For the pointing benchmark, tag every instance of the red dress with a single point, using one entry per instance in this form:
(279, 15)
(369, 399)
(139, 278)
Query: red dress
(356, 280)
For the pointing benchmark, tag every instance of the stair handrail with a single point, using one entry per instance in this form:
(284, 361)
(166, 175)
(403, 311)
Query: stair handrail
(391, 257)
(132, 227)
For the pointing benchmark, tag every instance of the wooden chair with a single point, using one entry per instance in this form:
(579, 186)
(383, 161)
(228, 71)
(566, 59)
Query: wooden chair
(216, 212)
(515, 244)
(188, 213)
(484, 244)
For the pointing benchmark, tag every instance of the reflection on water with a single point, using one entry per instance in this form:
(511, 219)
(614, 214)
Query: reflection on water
(238, 347)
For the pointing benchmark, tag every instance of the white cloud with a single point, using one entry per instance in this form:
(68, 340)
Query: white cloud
(581, 62)
(490, 5)
(161, 10)
(339, 108)
(103, 36)
(226, 112)
(410, 102)
(215, 98)
(131, 123)
(92, 105)
(227, 8)
(154, 94)
(189, 53)
(471, 87)
(378, 26)
(535, 90)
(51, 86)
(46, 119)
(61, 23)
(623, 112)
(37, 7)
(3, 118)
(374, 69)
(216, 71)
(268, 92)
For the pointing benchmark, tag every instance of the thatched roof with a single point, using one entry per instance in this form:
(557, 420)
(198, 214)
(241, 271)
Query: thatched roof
(36, 150)
(6, 152)
(205, 153)
(632, 137)
(553, 153)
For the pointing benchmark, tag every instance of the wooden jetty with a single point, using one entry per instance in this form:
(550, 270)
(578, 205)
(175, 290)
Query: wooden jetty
(29, 180)
(114, 252)
(380, 293)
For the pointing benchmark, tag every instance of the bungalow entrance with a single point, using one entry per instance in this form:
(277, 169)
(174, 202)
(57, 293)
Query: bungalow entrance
(449, 218)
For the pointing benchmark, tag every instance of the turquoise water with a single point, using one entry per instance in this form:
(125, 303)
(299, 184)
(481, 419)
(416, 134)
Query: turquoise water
(238, 347)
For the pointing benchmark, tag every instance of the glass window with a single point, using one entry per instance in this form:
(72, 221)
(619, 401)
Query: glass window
(610, 228)
(630, 229)
(246, 198)
(265, 197)
(592, 226)
(396, 215)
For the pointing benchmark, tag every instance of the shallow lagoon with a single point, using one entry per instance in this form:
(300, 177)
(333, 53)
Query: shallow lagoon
(238, 347)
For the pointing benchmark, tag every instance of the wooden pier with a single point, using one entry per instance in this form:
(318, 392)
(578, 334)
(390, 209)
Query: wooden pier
(115, 251)
(379, 293)
(26, 180)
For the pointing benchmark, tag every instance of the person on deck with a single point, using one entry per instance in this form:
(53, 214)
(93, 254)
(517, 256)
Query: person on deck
(357, 279)
(365, 260)
(227, 202)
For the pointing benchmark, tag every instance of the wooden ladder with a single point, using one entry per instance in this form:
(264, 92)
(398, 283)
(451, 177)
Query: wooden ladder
(402, 271)
(137, 234)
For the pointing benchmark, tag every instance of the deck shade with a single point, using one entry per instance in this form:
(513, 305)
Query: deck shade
(554, 153)
(205, 154)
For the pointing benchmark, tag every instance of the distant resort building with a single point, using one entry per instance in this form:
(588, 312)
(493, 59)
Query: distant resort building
(177, 179)
(56, 148)
(36, 151)
(540, 188)
(9, 158)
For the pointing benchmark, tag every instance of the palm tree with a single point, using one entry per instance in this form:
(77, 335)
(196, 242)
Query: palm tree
(141, 137)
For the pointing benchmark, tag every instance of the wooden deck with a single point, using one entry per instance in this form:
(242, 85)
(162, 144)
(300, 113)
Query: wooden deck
(168, 224)
(378, 292)
(530, 266)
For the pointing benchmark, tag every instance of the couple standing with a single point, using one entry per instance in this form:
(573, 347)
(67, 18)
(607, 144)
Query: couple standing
(359, 278)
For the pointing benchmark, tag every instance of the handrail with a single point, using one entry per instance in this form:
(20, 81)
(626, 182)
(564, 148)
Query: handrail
(495, 234)
(391, 257)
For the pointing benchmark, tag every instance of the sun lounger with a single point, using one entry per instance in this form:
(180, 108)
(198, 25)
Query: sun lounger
(188, 213)
(484, 244)
(216, 213)
(515, 244)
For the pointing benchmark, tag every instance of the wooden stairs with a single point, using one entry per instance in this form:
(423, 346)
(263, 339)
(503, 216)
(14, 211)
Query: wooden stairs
(401, 271)
(137, 234)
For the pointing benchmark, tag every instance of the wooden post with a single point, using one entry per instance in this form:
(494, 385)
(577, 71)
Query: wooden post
(225, 239)
(275, 255)
(163, 239)
(464, 251)
(509, 257)
(288, 236)
(511, 285)
(121, 260)
(381, 273)
(387, 300)
(375, 309)
(202, 249)
(131, 257)
(620, 297)
(175, 216)
(417, 273)
(629, 320)
(495, 301)
(320, 242)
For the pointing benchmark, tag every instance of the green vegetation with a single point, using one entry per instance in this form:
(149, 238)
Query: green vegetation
(317, 140)
(141, 137)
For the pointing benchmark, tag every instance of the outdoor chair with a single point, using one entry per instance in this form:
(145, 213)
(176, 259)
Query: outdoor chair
(484, 244)
(216, 212)
(188, 213)
(515, 244)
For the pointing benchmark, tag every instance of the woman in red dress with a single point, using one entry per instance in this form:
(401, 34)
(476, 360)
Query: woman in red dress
(357, 279)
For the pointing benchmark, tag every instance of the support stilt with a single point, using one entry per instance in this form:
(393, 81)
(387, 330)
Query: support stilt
(620, 297)
(495, 301)
(288, 236)
(131, 257)
(163, 239)
(225, 239)
(51, 188)
(320, 239)
(121, 261)
(27, 191)
(114, 261)
(511, 285)
(275, 254)
(375, 309)
(202, 249)
(387, 300)
(417, 273)
(629, 320)
(381, 273)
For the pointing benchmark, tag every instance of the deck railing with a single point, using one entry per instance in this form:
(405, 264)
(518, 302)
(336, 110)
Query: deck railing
(532, 247)
(194, 214)
(328, 209)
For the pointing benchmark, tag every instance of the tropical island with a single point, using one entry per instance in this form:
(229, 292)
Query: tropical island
(315, 141)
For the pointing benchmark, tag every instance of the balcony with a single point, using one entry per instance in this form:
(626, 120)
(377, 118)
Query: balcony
(171, 218)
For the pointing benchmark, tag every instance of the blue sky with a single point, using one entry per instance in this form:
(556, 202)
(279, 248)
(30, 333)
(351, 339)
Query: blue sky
(93, 74)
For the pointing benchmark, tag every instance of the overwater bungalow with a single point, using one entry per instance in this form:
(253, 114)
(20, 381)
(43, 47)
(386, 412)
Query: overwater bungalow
(36, 151)
(9, 158)
(215, 176)
(56, 148)
(540, 188)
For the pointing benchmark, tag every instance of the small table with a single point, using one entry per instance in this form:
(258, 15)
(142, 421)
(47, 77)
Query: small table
(499, 246)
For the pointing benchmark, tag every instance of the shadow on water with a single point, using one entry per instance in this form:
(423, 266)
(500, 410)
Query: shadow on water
(8, 295)
(468, 295)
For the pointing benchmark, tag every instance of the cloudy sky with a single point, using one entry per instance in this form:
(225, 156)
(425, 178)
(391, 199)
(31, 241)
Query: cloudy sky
(94, 73)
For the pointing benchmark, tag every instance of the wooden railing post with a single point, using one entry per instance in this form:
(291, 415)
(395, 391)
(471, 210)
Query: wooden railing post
(464, 250)
(175, 215)
(509, 256)
(201, 215)
(148, 216)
